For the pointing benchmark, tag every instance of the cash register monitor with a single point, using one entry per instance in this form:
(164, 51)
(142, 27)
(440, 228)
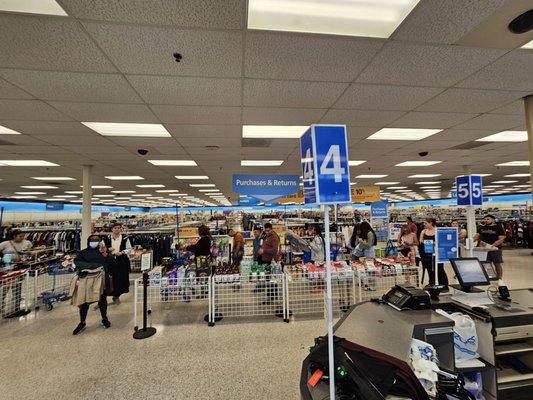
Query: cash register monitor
(469, 273)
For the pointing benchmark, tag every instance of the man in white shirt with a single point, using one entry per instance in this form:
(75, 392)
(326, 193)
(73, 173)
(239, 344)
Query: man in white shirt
(15, 247)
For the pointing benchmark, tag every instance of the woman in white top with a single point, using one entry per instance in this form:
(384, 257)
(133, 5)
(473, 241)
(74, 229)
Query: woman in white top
(317, 245)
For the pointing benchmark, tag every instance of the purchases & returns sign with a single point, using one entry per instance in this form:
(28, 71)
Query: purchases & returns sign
(265, 187)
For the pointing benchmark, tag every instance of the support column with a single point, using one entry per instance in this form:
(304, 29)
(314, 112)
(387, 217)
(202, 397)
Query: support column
(528, 103)
(471, 226)
(86, 223)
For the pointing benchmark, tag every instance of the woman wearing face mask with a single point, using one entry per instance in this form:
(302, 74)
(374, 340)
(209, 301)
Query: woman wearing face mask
(92, 281)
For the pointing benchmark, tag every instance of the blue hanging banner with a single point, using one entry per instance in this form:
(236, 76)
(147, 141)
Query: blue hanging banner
(446, 244)
(248, 201)
(266, 187)
(379, 209)
(55, 206)
(325, 168)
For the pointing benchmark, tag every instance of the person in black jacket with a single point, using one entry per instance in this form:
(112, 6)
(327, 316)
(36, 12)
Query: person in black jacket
(93, 257)
(203, 246)
(119, 246)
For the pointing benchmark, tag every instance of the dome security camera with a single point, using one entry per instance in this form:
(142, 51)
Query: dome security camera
(423, 153)
(142, 152)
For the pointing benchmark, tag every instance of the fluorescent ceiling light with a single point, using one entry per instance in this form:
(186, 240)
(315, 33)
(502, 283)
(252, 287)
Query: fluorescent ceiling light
(504, 182)
(517, 176)
(23, 197)
(167, 191)
(428, 183)
(74, 192)
(127, 129)
(174, 163)
(397, 187)
(209, 190)
(65, 196)
(150, 186)
(424, 176)
(417, 163)
(48, 7)
(492, 186)
(32, 193)
(505, 136)
(378, 18)
(123, 191)
(430, 187)
(506, 164)
(403, 134)
(387, 183)
(53, 178)
(273, 131)
(178, 194)
(124, 178)
(355, 163)
(3, 129)
(483, 174)
(370, 176)
(39, 187)
(100, 187)
(202, 185)
(522, 186)
(27, 163)
(261, 163)
(528, 45)
(192, 177)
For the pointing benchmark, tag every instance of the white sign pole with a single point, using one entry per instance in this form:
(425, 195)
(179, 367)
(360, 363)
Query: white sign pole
(471, 229)
(329, 305)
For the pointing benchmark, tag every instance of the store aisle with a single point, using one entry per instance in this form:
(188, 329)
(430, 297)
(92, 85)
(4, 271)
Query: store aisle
(259, 360)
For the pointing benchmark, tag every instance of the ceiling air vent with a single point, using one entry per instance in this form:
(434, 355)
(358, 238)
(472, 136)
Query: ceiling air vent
(468, 145)
(6, 143)
(256, 142)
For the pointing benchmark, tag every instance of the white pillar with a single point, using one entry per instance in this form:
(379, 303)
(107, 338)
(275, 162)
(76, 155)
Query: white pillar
(528, 102)
(86, 223)
(471, 226)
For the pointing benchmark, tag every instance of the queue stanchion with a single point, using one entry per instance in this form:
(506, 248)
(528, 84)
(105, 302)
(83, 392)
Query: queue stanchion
(145, 331)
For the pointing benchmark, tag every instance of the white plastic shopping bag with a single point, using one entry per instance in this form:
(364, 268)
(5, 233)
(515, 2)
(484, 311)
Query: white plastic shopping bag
(424, 363)
(464, 336)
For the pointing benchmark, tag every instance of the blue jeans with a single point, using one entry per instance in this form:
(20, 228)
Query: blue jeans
(367, 252)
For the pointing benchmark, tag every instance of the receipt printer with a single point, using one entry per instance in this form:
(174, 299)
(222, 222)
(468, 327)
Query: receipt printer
(407, 297)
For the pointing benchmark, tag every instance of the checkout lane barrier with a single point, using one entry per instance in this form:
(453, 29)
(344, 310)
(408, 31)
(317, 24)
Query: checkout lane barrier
(15, 294)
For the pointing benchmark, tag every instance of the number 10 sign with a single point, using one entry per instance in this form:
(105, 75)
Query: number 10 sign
(326, 173)
(469, 190)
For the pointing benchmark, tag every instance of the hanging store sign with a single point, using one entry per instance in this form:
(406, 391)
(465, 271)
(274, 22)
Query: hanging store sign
(365, 194)
(379, 209)
(188, 232)
(469, 190)
(325, 169)
(446, 244)
(248, 201)
(265, 187)
(55, 206)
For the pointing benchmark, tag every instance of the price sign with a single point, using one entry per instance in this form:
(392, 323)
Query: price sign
(365, 194)
(469, 190)
(146, 261)
(325, 170)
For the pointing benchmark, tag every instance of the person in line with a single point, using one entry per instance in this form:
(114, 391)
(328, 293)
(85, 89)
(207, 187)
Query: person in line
(427, 242)
(317, 245)
(412, 225)
(256, 242)
(363, 241)
(119, 269)
(492, 234)
(13, 250)
(269, 250)
(203, 246)
(238, 246)
(93, 258)
(462, 232)
(407, 242)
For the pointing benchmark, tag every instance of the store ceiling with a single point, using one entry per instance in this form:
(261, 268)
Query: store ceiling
(112, 61)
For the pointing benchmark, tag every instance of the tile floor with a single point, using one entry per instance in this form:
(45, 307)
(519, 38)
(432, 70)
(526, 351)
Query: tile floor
(185, 360)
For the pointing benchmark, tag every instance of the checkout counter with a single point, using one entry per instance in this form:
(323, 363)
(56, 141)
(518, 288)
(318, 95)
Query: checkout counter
(504, 330)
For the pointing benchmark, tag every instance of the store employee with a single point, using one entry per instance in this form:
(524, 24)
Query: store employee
(494, 235)
(16, 246)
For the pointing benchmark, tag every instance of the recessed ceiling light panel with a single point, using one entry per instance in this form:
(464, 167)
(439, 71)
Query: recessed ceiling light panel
(127, 129)
(505, 136)
(124, 178)
(261, 163)
(403, 134)
(27, 163)
(3, 129)
(47, 7)
(174, 163)
(273, 131)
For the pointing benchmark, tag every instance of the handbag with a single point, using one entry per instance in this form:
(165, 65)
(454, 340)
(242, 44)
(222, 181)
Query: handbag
(391, 250)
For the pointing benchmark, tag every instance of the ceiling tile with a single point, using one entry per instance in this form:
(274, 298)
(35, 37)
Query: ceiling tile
(492, 121)
(149, 50)
(265, 93)
(385, 97)
(227, 14)
(516, 107)
(89, 139)
(9, 91)
(187, 90)
(46, 128)
(48, 85)
(282, 55)
(281, 116)
(426, 65)
(431, 120)
(204, 131)
(466, 135)
(361, 118)
(139, 142)
(470, 100)
(48, 43)
(190, 143)
(197, 115)
(444, 21)
(29, 110)
(514, 71)
(105, 112)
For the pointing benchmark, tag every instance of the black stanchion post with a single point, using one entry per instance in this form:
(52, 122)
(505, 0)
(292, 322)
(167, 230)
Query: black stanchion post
(146, 331)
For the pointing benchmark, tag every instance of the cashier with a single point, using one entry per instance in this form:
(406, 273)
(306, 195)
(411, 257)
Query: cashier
(17, 246)
(492, 234)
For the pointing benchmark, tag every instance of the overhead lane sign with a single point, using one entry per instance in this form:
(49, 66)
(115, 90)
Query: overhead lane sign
(266, 187)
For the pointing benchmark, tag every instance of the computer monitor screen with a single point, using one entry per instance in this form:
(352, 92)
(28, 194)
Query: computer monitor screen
(490, 270)
(469, 272)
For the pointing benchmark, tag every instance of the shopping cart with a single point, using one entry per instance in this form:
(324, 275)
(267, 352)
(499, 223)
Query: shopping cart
(60, 290)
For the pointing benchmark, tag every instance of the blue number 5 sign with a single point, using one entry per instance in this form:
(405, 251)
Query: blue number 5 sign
(469, 190)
